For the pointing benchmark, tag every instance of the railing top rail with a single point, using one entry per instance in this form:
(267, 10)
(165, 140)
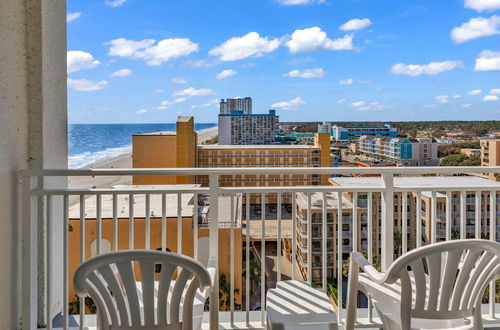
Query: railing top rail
(261, 170)
(120, 191)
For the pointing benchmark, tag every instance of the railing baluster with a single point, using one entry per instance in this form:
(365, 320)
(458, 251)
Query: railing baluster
(387, 233)
(418, 220)
(164, 222)
(179, 223)
(463, 221)
(148, 222)
(195, 225)
(231, 262)
(369, 221)
(493, 234)
(99, 223)
(65, 261)
(448, 215)
(339, 258)
(478, 213)
(82, 255)
(309, 239)
(355, 226)
(30, 251)
(247, 260)
(278, 243)
(294, 235)
(404, 222)
(49, 262)
(115, 222)
(263, 259)
(433, 216)
(131, 221)
(324, 243)
(214, 245)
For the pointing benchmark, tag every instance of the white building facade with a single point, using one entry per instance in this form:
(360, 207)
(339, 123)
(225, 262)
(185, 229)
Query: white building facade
(243, 104)
(238, 128)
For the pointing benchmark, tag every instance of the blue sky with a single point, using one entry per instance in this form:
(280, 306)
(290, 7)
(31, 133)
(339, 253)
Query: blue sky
(148, 61)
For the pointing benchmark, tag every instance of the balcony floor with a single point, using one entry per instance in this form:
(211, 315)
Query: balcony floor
(255, 320)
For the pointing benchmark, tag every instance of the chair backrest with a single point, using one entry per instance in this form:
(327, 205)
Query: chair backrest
(110, 280)
(445, 280)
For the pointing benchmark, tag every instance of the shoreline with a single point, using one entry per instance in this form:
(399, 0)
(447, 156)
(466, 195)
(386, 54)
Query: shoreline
(203, 135)
(121, 161)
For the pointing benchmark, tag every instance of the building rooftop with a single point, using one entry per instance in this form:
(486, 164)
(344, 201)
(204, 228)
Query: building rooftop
(433, 182)
(157, 133)
(184, 119)
(256, 146)
(317, 201)
(139, 203)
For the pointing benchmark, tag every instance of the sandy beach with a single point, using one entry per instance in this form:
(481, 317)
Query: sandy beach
(124, 161)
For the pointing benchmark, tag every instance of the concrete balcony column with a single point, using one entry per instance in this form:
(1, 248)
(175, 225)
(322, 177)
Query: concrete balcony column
(33, 134)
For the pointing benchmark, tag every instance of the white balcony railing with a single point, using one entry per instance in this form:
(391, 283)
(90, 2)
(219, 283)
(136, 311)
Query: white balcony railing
(147, 216)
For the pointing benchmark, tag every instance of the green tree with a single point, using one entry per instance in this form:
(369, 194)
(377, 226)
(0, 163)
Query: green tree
(224, 293)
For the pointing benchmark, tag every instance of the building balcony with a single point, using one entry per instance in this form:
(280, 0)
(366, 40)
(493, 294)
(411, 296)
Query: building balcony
(84, 222)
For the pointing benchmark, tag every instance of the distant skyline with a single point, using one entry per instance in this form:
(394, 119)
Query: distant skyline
(143, 61)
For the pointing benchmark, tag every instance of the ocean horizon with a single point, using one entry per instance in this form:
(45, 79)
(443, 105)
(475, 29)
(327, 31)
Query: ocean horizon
(91, 144)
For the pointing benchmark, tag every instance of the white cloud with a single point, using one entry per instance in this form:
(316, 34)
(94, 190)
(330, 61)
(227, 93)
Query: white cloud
(357, 104)
(190, 91)
(355, 24)
(468, 105)
(442, 98)
(372, 106)
(225, 74)
(474, 92)
(210, 103)
(153, 54)
(495, 91)
(490, 98)
(78, 60)
(84, 85)
(72, 16)
(158, 91)
(348, 81)
(340, 101)
(298, 2)
(164, 105)
(115, 3)
(238, 48)
(488, 61)
(311, 39)
(482, 5)
(121, 73)
(142, 111)
(476, 28)
(180, 100)
(203, 63)
(307, 73)
(456, 96)
(179, 81)
(289, 105)
(432, 68)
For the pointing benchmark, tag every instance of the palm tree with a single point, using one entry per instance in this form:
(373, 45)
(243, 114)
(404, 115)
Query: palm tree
(224, 292)
(398, 241)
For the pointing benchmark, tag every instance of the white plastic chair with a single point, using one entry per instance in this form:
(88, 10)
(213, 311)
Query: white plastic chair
(439, 286)
(126, 303)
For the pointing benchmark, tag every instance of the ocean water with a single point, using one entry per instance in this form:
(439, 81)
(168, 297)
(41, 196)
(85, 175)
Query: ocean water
(91, 144)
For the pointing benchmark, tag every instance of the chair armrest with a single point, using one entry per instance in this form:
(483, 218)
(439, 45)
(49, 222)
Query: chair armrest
(368, 268)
